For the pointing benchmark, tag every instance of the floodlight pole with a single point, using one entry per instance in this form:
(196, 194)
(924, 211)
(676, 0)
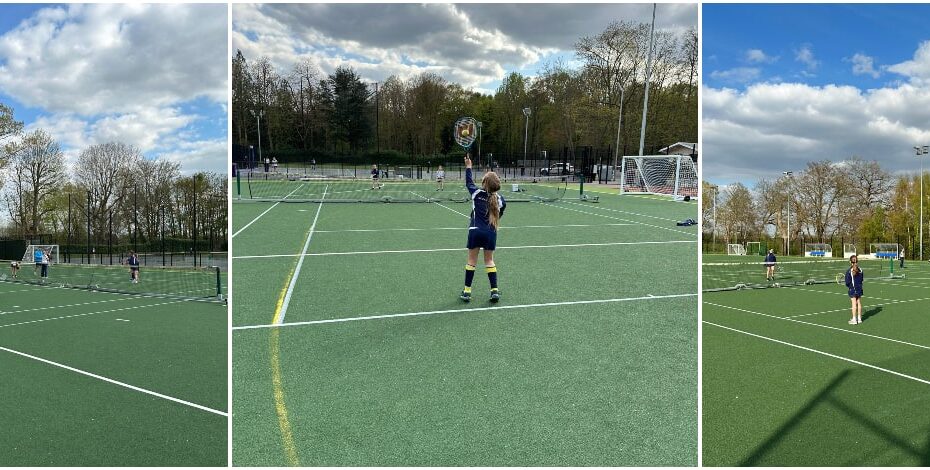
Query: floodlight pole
(258, 120)
(479, 144)
(526, 128)
(617, 148)
(652, 32)
(788, 238)
(921, 151)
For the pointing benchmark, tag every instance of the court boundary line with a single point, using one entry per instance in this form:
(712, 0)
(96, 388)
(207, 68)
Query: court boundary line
(10, 312)
(502, 227)
(620, 211)
(280, 313)
(921, 346)
(833, 293)
(89, 313)
(263, 213)
(434, 250)
(116, 382)
(805, 348)
(463, 310)
(844, 309)
(618, 218)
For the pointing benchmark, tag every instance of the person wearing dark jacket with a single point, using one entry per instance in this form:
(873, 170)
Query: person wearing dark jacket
(854, 278)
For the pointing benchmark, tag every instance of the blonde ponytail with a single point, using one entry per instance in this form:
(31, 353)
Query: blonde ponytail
(491, 183)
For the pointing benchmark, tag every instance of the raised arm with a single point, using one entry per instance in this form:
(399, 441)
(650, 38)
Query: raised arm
(469, 181)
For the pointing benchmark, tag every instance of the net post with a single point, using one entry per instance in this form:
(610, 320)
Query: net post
(238, 185)
(219, 285)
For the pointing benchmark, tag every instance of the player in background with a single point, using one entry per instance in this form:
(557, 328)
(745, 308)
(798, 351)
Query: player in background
(133, 262)
(854, 278)
(440, 178)
(487, 207)
(770, 266)
(14, 268)
(374, 177)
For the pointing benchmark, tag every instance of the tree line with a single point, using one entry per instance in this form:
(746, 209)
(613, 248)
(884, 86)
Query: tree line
(855, 200)
(303, 113)
(111, 189)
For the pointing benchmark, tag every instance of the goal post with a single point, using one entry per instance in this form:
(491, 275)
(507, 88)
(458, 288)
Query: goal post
(754, 248)
(822, 250)
(849, 249)
(34, 253)
(735, 249)
(665, 175)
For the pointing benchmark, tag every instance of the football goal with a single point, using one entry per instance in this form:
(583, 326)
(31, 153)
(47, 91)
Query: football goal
(36, 253)
(822, 250)
(849, 250)
(754, 248)
(666, 175)
(736, 249)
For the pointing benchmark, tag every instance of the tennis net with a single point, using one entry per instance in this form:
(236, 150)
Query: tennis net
(175, 282)
(298, 188)
(752, 275)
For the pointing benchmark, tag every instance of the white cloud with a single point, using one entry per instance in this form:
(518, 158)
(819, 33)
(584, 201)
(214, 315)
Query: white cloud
(917, 69)
(106, 58)
(205, 155)
(805, 55)
(758, 56)
(736, 75)
(119, 72)
(768, 128)
(864, 65)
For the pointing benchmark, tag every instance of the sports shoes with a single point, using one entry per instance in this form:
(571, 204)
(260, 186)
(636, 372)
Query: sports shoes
(852, 321)
(495, 296)
(859, 320)
(466, 296)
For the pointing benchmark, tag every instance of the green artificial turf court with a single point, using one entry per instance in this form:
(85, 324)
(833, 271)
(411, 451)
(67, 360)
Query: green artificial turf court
(589, 359)
(107, 379)
(787, 382)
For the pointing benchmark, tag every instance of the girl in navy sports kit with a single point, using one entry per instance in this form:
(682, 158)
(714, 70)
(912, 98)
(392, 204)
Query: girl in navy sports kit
(487, 207)
(854, 278)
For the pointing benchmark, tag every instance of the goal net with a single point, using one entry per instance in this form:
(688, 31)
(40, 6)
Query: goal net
(754, 248)
(849, 250)
(885, 250)
(667, 175)
(823, 250)
(736, 249)
(36, 253)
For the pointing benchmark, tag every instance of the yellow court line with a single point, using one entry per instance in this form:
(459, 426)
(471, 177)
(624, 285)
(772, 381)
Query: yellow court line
(280, 407)
(287, 437)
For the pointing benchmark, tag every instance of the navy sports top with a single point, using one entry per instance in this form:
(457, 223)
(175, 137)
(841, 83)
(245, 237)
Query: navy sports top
(479, 204)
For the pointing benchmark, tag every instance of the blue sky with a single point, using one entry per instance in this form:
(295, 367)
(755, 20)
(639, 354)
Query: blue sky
(784, 84)
(153, 76)
(474, 45)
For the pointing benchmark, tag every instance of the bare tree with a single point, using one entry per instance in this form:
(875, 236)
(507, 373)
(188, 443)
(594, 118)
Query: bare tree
(38, 167)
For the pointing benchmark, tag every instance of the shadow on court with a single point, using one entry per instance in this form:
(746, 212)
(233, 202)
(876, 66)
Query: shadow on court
(863, 417)
(872, 312)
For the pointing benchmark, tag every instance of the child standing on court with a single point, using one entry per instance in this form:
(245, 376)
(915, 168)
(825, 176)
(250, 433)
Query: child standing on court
(854, 278)
(440, 177)
(487, 207)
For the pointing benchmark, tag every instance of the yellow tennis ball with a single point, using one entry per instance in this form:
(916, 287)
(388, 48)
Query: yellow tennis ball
(465, 132)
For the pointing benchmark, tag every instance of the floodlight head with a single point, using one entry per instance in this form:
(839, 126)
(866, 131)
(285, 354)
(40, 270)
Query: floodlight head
(788, 173)
(527, 111)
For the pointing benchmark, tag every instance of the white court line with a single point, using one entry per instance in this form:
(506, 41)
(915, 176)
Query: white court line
(263, 213)
(899, 374)
(921, 346)
(503, 227)
(846, 309)
(440, 205)
(620, 211)
(433, 250)
(300, 262)
(70, 305)
(618, 218)
(116, 382)
(88, 314)
(834, 293)
(476, 309)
